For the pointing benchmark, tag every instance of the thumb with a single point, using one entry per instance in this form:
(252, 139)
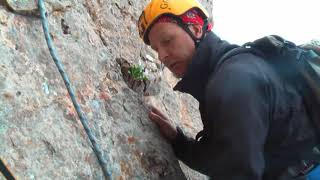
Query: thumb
(155, 117)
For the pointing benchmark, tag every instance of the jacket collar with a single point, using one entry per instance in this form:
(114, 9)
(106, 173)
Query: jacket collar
(210, 49)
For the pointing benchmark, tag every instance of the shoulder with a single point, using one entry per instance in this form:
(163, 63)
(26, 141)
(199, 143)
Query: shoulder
(244, 63)
(241, 74)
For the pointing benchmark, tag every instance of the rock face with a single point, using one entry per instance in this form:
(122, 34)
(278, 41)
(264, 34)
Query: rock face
(41, 136)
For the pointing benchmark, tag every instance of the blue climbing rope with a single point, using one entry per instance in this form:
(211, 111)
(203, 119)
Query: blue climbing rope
(5, 170)
(83, 119)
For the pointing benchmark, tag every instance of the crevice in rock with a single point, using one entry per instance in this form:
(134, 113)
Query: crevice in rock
(49, 146)
(122, 11)
(103, 40)
(12, 143)
(65, 28)
(151, 161)
(125, 12)
(164, 104)
(125, 108)
(14, 7)
(18, 93)
(5, 5)
(92, 11)
(138, 85)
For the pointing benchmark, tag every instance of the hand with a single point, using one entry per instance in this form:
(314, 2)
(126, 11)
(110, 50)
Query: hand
(166, 129)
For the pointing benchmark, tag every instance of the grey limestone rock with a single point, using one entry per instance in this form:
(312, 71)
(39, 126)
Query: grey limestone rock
(41, 136)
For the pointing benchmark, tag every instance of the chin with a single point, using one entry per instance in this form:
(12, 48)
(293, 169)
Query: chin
(177, 75)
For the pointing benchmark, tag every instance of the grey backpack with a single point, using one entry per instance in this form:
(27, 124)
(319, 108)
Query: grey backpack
(298, 66)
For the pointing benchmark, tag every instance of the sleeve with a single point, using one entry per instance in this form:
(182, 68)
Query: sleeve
(237, 109)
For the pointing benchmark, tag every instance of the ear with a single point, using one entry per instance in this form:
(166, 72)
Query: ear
(196, 29)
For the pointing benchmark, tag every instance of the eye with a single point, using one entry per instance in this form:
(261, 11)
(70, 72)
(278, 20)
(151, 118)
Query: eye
(166, 42)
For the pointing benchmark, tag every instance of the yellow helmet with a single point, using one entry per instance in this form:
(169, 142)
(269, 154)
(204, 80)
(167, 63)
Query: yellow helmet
(157, 8)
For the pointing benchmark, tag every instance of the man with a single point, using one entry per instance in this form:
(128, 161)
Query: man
(255, 126)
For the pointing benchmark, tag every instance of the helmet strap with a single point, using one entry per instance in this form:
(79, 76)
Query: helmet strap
(186, 28)
(204, 31)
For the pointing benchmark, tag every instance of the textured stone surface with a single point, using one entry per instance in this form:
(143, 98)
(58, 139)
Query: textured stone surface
(40, 135)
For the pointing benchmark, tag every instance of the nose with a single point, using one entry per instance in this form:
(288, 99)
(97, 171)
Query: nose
(162, 55)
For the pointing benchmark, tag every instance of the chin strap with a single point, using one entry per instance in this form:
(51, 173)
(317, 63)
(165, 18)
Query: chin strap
(186, 28)
(204, 32)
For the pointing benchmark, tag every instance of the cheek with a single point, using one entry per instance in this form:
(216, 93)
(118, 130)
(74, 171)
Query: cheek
(176, 49)
(185, 43)
(182, 51)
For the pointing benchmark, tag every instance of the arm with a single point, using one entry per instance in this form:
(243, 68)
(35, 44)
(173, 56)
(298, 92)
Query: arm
(237, 109)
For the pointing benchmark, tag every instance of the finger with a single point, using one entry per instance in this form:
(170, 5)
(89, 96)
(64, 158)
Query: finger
(158, 119)
(157, 111)
(154, 117)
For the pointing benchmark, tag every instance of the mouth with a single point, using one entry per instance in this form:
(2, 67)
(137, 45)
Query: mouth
(172, 66)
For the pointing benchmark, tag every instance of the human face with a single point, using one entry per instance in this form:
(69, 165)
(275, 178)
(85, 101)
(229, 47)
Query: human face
(174, 46)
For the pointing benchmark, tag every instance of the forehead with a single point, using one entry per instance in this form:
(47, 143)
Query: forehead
(163, 29)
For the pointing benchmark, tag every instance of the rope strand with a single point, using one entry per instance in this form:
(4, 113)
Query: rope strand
(83, 119)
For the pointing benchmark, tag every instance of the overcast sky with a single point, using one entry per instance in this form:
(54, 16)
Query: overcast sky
(239, 21)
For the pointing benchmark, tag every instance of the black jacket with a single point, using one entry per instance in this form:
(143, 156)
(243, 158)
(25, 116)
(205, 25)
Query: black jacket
(254, 125)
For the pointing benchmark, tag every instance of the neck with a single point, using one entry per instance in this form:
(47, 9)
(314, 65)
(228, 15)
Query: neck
(209, 51)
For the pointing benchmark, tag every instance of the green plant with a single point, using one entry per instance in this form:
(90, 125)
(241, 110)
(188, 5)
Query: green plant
(137, 72)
